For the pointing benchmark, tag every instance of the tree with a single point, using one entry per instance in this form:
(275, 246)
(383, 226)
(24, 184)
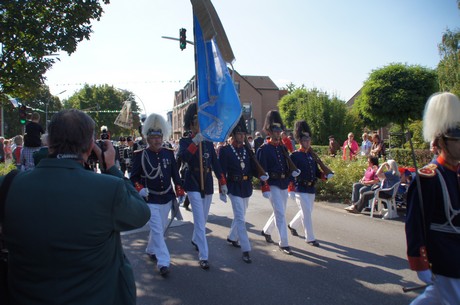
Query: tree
(103, 103)
(39, 101)
(449, 65)
(324, 115)
(395, 93)
(32, 30)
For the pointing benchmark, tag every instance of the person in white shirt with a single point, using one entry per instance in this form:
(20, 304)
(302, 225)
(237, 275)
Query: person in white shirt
(365, 145)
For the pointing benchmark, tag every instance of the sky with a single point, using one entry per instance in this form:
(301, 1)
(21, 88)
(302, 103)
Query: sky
(331, 45)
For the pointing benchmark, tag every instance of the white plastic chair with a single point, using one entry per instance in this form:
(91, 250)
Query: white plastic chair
(391, 202)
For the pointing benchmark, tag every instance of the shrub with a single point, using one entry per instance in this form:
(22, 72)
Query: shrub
(346, 173)
(5, 168)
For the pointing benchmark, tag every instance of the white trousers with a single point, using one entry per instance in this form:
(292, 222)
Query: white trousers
(200, 210)
(305, 203)
(278, 199)
(238, 227)
(158, 223)
(444, 291)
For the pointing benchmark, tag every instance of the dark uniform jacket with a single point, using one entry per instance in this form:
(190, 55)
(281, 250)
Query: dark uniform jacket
(188, 152)
(309, 172)
(272, 158)
(441, 249)
(62, 228)
(160, 187)
(239, 178)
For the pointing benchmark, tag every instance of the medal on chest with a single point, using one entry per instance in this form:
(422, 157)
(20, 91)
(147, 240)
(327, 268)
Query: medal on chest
(240, 157)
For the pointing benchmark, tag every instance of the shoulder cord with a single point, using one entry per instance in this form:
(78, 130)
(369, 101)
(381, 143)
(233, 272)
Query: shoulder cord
(450, 212)
(154, 173)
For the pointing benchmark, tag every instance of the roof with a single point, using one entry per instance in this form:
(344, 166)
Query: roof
(261, 82)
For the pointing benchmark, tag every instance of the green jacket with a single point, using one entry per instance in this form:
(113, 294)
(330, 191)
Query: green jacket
(62, 228)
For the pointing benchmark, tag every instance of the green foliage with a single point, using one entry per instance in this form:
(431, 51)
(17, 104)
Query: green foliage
(345, 174)
(395, 93)
(33, 30)
(449, 66)
(5, 168)
(103, 103)
(324, 115)
(38, 101)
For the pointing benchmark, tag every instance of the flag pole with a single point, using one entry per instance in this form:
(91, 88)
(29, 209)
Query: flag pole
(200, 145)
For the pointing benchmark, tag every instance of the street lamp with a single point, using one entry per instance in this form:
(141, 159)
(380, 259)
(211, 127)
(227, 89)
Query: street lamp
(46, 111)
(124, 90)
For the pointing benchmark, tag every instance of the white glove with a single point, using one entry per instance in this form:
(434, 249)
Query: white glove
(292, 195)
(181, 199)
(425, 276)
(295, 173)
(223, 197)
(144, 192)
(198, 138)
(329, 176)
(224, 189)
(264, 177)
(266, 194)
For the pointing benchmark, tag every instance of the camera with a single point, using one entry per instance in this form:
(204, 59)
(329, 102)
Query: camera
(104, 135)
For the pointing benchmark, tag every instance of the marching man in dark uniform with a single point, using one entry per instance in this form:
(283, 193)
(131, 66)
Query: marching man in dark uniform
(433, 221)
(199, 199)
(128, 151)
(153, 169)
(303, 189)
(273, 157)
(239, 168)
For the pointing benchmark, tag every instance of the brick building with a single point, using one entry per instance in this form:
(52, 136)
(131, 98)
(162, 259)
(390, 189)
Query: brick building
(258, 95)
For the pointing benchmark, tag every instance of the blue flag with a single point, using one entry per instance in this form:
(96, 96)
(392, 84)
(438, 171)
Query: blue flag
(219, 107)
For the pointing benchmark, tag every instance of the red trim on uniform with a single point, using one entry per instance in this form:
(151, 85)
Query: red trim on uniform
(444, 163)
(291, 187)
(179, 191)
(421, 262)
(222, 180)
(192, 148)
(278, 143)
(138, 186)
(265, 187)
(236, 145)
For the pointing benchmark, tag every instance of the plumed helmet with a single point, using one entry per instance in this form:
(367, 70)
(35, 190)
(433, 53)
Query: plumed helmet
(104, 128)
(273, 121)
(240, 126)
(441, 116)
(301, 129)
(189, 116)
(155, 125)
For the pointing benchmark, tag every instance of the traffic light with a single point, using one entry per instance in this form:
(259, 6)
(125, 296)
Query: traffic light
(182, 39)
(23, 114)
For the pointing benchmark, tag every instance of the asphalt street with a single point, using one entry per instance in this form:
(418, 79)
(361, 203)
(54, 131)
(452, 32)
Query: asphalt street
(361, 260)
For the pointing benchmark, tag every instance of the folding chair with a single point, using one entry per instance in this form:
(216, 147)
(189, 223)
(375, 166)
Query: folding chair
(391, 202)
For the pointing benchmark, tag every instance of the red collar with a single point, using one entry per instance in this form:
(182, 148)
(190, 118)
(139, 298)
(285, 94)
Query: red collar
(444, 163)
(273, 143)
(234, 144)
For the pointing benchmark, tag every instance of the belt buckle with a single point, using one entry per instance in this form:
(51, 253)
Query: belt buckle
(282, 176)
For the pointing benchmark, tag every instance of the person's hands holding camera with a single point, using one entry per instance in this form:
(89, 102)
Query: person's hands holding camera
(105, 153)
(109, 154)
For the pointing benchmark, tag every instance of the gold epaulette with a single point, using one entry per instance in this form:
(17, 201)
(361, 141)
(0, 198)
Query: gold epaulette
(428, 171)
(138, 151)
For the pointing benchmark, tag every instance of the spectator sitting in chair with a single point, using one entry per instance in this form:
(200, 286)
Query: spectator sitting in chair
(364, 186)
(389, 175)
